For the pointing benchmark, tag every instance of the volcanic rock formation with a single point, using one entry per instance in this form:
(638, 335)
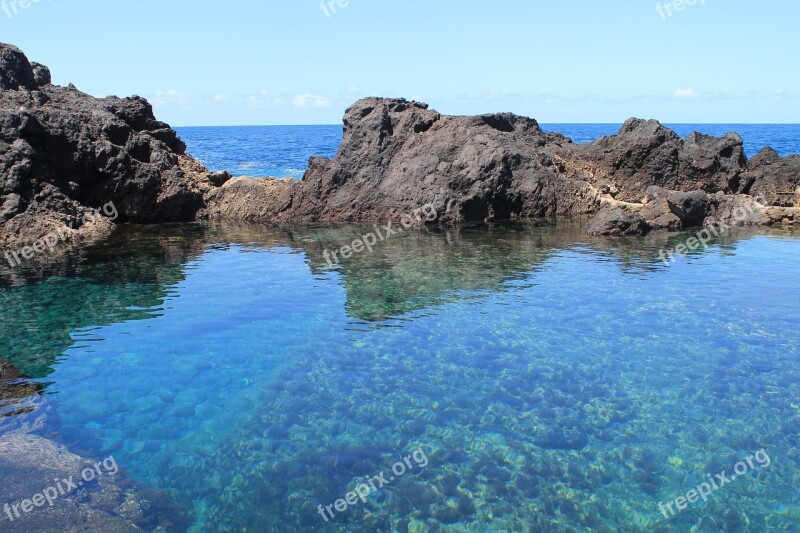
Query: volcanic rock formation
(397, 156)
(64, 153)
(12, 387)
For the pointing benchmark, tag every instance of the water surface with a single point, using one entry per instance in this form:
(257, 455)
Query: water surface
(554, 382)
(284, 150)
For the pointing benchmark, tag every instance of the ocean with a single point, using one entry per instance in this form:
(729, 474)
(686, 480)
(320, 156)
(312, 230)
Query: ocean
(282, 151)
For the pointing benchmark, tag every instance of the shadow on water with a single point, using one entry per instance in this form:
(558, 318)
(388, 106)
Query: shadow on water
(128, 276)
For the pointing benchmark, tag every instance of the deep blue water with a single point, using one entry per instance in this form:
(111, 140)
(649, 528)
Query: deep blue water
(278, 151)
(284, 150)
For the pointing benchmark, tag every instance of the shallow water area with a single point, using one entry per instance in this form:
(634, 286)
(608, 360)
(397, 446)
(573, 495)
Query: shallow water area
(552, 381)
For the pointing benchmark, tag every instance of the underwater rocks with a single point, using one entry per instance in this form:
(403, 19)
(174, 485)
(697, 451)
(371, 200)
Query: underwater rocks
(64, 153)
(33, 467)
(29, 465)
(8, 372)
(397, 155)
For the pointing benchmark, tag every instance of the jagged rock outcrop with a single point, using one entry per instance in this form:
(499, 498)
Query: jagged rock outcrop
(772, 177)
(645, 153)
(64, 153)
(398, 155)
(617, 222)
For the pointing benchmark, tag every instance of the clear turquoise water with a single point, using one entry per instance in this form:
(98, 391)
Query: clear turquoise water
(555, 383)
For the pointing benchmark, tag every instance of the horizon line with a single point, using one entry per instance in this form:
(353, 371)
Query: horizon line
(540, 123)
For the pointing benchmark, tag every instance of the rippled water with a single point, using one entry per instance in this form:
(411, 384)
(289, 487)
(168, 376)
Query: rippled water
(553, 382)
(284, 150)
(261, 150)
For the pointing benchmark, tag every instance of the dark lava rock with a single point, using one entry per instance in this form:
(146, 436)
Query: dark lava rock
(397, 156)
(773, 180)
(13, 387)
(645, 153)
(64, 153)
(618, 221)
(218, 179)
(15, 70)
(41, 74)
(690, 207)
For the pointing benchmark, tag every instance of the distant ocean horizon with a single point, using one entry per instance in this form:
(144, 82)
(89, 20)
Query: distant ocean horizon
(283, 151)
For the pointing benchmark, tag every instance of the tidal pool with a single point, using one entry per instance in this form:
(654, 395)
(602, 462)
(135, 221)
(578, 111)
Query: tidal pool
(552, 382)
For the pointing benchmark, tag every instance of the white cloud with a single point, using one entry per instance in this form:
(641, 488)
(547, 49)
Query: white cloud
(221, 98)
(311, 100)
(263, 99)
(170, 97)
(687, 94)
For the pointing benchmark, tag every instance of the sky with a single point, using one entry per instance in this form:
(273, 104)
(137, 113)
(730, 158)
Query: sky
(254, 62)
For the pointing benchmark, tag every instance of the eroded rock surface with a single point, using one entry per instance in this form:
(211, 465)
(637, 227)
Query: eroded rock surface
(398, 155)
(13, 388)
(617, 222)
(64, 153)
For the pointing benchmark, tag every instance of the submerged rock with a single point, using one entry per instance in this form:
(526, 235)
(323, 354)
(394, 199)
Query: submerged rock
(30, 465)
(13, 387)
(8, 372)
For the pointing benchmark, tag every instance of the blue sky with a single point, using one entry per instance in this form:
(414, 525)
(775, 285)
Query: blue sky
(243, 62)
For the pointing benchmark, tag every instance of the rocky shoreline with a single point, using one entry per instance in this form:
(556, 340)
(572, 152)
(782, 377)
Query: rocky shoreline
(63, 153)
(13, 388)
(398, 155)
